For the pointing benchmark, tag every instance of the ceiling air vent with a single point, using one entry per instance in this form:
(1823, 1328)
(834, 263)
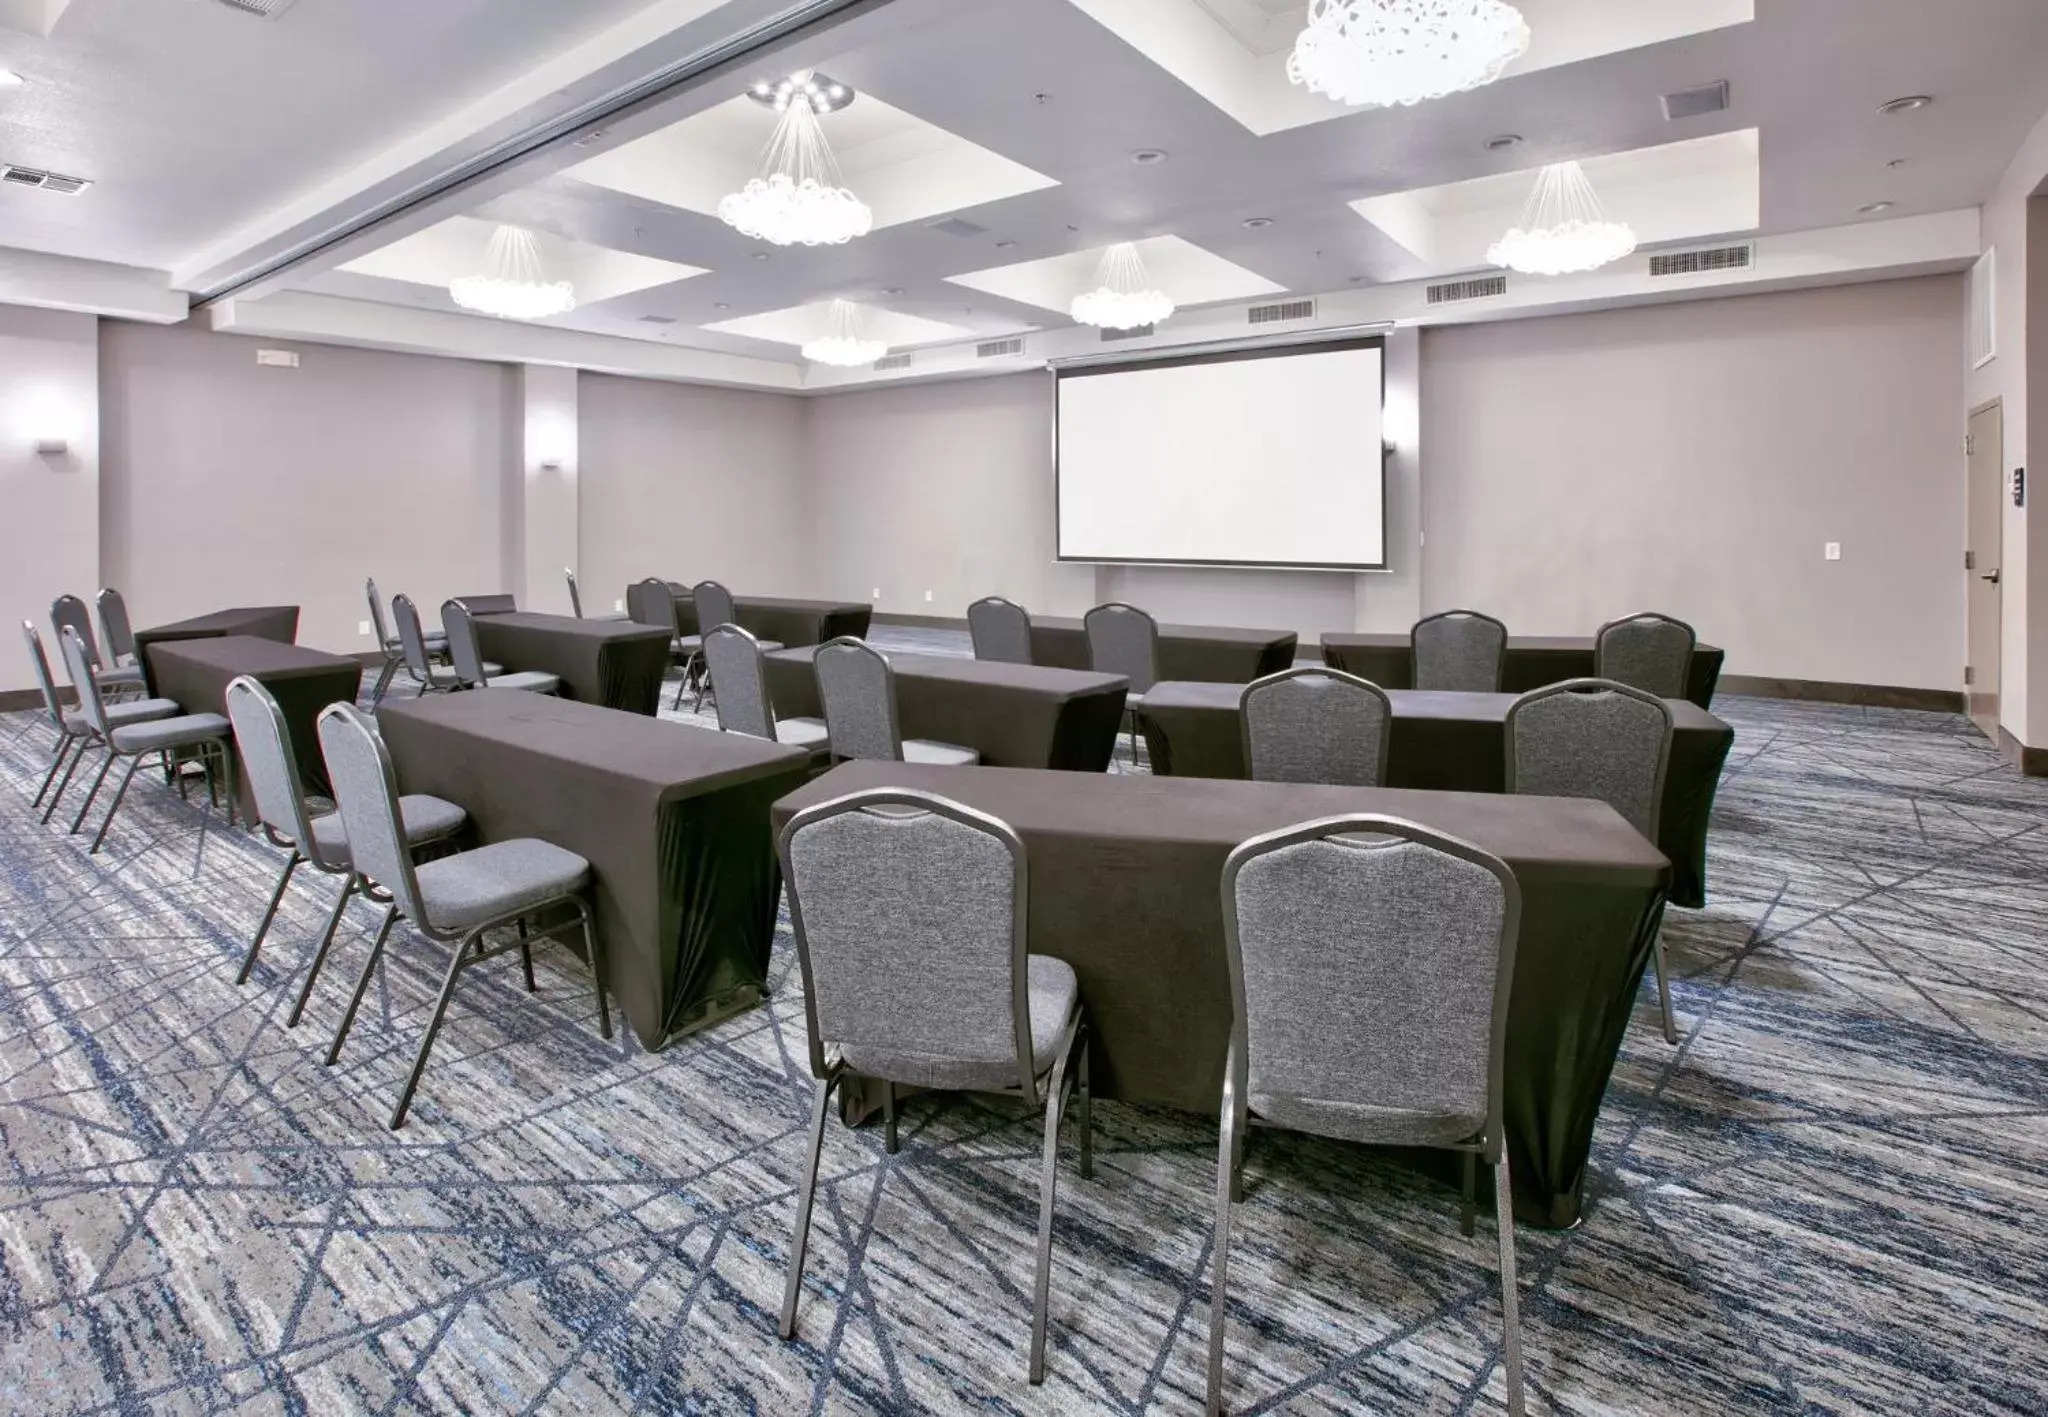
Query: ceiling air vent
(1135, 332)
(1706, 260)
(657, 319)
(999, 348)
(46, 181)
(955, 226)
(265, 9)
(1696, 103)
(1284, 310)
(893, 361)
(1472, 288)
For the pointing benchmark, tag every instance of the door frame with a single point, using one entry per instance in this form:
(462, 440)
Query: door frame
(1982, 702)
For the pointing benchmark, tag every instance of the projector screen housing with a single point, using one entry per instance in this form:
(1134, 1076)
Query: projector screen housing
(1266, 457)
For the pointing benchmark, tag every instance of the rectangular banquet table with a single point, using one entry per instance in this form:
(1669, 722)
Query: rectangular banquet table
(1014, 715)
(1125, 876)
(1532, 661)
(263, 622)
(771, 617)
(672, 818)
(1450, 742)
(611, 662)
(1222, 654)
(479, 605)
(304, 681)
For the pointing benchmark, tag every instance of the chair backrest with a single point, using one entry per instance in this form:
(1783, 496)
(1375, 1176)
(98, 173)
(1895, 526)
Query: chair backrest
(575, 598)
(655, 604)
(68, 612)
(733, 657)
(1370, 967)
(1460, 650)
(909, 915)
(52, 705)
(79, 666)
(460, 629)
(1001, 630)
(120, 635)
(377, 611)
(1316, 725)
(411, 641)
(1647, 651)
(366, 791)
(1122, 639)
(1592, 738)
(714, 606)
(858, 690)
(268, 762)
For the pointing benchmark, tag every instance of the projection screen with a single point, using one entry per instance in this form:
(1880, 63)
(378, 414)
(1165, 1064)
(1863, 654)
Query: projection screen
(1266, 457)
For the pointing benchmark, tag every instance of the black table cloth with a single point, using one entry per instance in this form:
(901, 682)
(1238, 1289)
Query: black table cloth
(771, 617)
(489, 604)
(263, 622)
(672, 818)
(1532, 661)
(614, 663)
(1450, 742)
(1125, 887)
(1220, 654)
(1014, 715)
(197, 672)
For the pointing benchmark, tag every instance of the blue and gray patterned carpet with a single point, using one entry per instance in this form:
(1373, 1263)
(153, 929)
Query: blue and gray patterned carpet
(1832, 1197)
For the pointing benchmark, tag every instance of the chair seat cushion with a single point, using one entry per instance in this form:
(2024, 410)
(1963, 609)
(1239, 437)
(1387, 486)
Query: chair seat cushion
(497, 880)
(133, 711)
(1052, 990)
(179, 732)
(687, 644)
(420, 817)
(952, 755)
(1355, 1121)
(531, 680)
(802, 732)
(118, 674)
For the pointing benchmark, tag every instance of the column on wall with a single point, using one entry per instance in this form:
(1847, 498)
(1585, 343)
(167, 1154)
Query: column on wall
(49, 470)
(541, 505)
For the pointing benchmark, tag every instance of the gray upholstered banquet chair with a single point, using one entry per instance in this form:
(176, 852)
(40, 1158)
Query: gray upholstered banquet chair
(656, 605)
(732, 657)
(68, 612)
(433, 644)
(858, 691)
(1595, 738)
(1316, 725)
(1646, 651)
(472, 671)
(1370, 964)
(70, 724)
(1122, 639)
(205, 733)
(115, 628)
(909, 915)
(452, 900)
(321, 842)
(1460, 650)
(1001, 630)
(714, 608)
(419, 656)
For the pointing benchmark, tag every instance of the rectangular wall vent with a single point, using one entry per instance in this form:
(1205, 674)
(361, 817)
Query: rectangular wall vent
(35, 177)
(1135, 332)
(266, 9)
(1705, 260)
(1472, 288)
(1282, 310)
(999, 348)
(893, 361)
(1696, 103)
(957, 226)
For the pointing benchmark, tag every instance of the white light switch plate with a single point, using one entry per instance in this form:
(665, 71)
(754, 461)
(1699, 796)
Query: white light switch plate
(619, 606)
(362, 627)
(878, 592)
(1832, 551)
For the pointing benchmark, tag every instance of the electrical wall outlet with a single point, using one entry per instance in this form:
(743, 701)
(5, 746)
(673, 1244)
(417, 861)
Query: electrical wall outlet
(927, 597)
(1832, 551)
(878, 592)
(619, 607)
(362, 627)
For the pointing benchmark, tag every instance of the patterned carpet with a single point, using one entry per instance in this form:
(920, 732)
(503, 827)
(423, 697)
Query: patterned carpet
(1829, 1198)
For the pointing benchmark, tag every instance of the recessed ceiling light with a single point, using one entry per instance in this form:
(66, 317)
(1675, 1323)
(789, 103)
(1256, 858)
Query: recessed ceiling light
(720, 305)
(1145, 157)
(892, 290)
(1874, 208)
(9, 79)
(1501, 142)
(1906, 104)
(757, 255)
(1004, 245)
(1257, 223)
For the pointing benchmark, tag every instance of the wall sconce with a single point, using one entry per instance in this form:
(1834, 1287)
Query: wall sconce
(52, 447)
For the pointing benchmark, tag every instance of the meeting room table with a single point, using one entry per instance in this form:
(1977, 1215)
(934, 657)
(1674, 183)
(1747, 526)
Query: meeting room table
(1452, 742)
(1014, 715)
(263, 622)
(197, 672)
(1124, 886)
(1532, 661)
(772, 617)
(1221, 654)
(674, 820)
(612, 663)
(493, 604)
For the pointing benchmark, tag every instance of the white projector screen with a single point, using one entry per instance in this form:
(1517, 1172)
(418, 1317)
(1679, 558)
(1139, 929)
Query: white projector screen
(1267, 457)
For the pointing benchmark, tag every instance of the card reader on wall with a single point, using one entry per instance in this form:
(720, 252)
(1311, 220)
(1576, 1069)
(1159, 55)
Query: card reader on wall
(2019, 487)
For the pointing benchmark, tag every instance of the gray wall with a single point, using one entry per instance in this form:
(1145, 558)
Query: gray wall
(49, 505)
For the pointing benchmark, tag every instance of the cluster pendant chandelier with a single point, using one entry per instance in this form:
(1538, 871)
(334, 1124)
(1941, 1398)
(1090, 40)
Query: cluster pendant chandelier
(1123, 297)
(799, 198)
(844, 343)
(1563, 228)
(1387, 52)
(514, 283)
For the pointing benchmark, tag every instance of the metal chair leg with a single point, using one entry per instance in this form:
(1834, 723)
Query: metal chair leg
(889, 1117)
(800, 1238)
(526, 959)
(105, 768)
(1087, 1112)
(419, 1064)
(1048, 1183)
(1664, 993)
(1468, 1176)
(64, 746)
(127, 776)
(703, 678)
(1510, 1306)
(604, 1008)
(362, 985)
(50, 807)
(384, 678)
(1227, 1154)
(276, 897)
(320, 952)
